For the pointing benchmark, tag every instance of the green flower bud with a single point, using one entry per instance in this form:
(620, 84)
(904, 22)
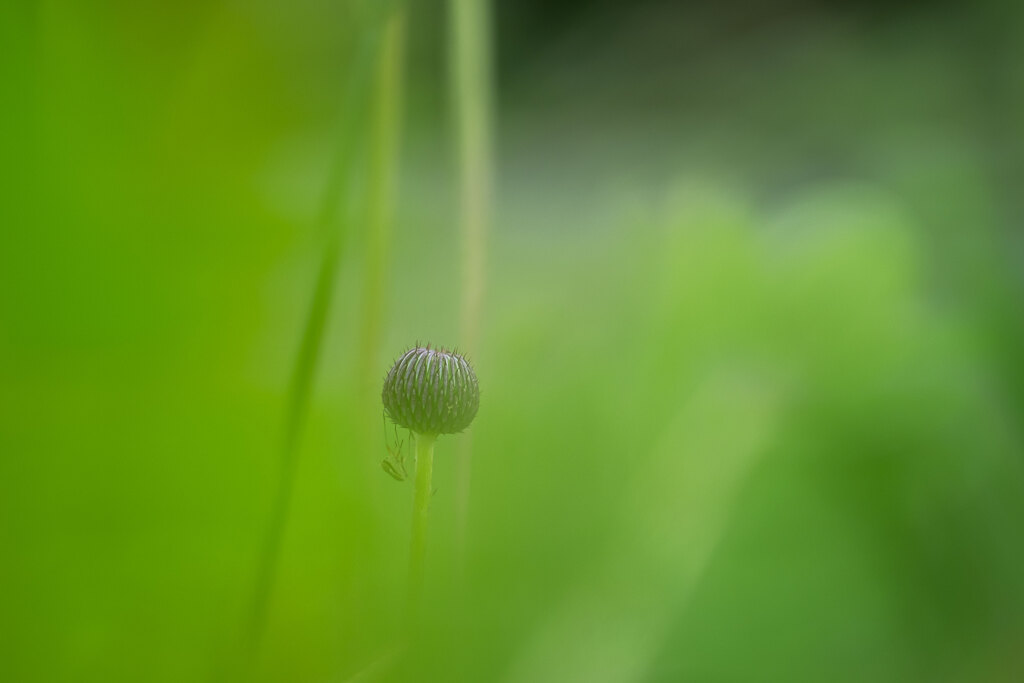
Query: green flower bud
(431, 391)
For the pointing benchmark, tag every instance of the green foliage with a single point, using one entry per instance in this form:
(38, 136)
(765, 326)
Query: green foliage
(751, 348)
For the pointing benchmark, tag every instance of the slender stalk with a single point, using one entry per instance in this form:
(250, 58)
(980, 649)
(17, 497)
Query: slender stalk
(332, 225)
(382, 193)
(298, 402)
(470, 59)
(420, 506)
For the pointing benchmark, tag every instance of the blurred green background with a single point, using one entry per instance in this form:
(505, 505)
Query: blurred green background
(751, 355)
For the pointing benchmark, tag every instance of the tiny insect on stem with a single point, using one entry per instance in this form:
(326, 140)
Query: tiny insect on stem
(396, 473)
(394, 465)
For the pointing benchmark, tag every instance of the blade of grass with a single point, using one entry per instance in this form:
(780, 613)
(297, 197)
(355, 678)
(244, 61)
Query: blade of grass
(470, 60)
(382, 193)
(332, 224)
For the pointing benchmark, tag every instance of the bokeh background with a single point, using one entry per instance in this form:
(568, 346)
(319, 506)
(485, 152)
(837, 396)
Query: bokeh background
(751, 349)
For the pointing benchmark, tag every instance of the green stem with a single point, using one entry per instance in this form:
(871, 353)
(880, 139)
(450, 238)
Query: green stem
(331, 225)
(471, 95)
(470, 61)
(382, 190)
(421, 503)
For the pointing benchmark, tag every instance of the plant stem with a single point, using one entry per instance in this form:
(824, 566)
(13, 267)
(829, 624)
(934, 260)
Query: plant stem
(382, 190)
(298, 403)
(470, 76)
(421, 503)
(470, 60)
(332, 225)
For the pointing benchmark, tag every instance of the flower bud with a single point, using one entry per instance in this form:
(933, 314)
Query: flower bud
(431, 391)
